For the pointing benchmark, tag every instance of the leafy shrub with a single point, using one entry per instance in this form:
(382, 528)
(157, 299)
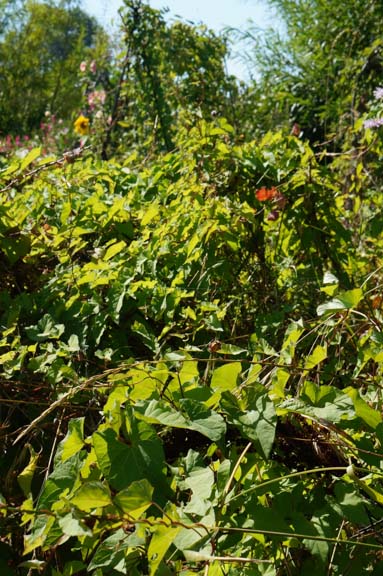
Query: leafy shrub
(195, 341)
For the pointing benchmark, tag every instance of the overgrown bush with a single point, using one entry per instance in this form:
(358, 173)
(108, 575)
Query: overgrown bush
(190, 347)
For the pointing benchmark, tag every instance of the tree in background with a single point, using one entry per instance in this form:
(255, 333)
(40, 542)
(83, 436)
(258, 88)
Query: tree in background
(321, 68)
(41, 47)
(168, 70)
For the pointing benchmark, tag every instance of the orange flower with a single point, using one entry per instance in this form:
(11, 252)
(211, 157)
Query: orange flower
(264, 194)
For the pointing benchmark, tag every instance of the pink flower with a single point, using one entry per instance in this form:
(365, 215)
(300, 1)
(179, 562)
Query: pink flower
(83, 66)
(96, 97)
(93, 66)
(373, 123)
(378, 93)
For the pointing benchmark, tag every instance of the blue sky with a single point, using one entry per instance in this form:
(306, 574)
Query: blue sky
(216, 14)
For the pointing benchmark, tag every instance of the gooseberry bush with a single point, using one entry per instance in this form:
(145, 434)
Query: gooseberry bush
(191, 359)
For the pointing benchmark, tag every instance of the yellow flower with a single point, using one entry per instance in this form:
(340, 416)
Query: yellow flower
(81, 125)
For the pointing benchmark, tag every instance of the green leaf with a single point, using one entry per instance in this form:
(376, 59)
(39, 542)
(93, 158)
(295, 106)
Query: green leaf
(293, 333)
(74, 439)
(62, 480)
(124, 462)
(193, 415)
(120, 463)
(201, 482)
(111, 552)
(344, 301)
(318, 395)
(135, 499)
(269, 519)
(40, 530)
(151, 213)
(258, 422)
(231, 350)
(189, 371)
(114, 249)
(7, 357)
(317, 527)
(26, 476)
(45, 329)
(259, 425)
(280, 379)
(157, 412)
(330, 284)
(334, 408)
(90, 496)
(162, 538)
(73, 525)
(203, 420)
(73, 343)
(352, 505)
(374, 494)
(316, 357)
(370, 416)
(117, 396)
(116, 296)
(226, 377)
(29, 158)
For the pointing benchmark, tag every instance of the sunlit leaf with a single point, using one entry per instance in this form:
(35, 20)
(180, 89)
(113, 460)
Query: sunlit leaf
(30, 157)
(90, 496)
(192, 416)
(163, 536)
(135, 499)
(113, 250)
(370, 416)
(26, 476)
(72, 525)
(316, 357)
(344, 301)
(74, 439)
(226, 377)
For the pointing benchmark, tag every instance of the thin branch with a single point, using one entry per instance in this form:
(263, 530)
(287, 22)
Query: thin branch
(70, 157)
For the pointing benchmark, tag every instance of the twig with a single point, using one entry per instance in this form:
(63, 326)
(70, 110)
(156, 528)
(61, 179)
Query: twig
(58, 403)
(70, 156)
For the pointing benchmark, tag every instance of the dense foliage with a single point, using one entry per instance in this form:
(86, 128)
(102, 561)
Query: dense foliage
(319, 67)
(167, 73)
(191, 327)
